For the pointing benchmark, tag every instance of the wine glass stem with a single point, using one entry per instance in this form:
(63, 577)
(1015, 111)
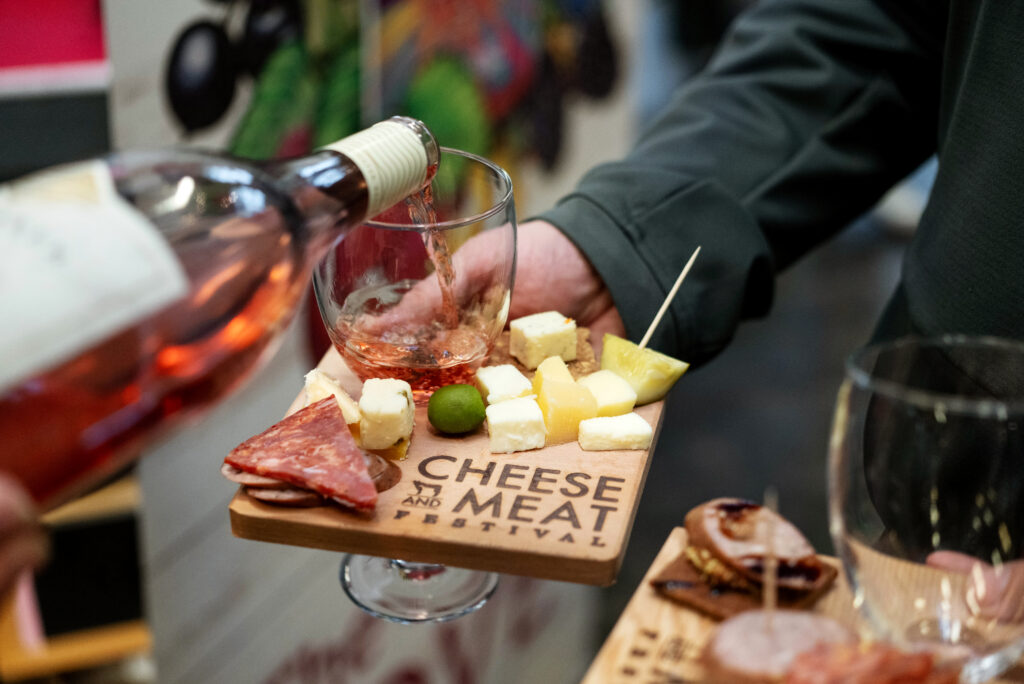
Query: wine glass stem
(416, 571)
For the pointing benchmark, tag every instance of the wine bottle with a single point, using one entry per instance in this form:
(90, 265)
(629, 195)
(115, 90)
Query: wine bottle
(141, 288)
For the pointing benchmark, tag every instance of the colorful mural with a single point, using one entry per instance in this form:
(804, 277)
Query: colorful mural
(483, 74)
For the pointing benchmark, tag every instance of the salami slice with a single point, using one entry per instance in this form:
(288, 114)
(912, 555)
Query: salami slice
(290, 496)
(249, 480)
(312, 448)
(753, 648)
(872, 663)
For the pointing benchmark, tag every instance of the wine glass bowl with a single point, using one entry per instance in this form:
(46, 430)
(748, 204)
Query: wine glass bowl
(402, 299)
(420, 293)
(926, 496)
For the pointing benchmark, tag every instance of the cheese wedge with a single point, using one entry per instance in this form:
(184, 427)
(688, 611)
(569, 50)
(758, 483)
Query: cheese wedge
(515, 425)
(498, 383)
(320, 385)
(608, 433)
(386, 413)
(536, 337)
(613, 393)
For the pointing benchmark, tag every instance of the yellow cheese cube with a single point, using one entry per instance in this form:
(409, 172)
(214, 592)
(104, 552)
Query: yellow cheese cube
(515, 425)
(607, 433)
(534, 338)
(498, 383)
(551, 368)
(613, 393)
(564, 405)
(387, 413)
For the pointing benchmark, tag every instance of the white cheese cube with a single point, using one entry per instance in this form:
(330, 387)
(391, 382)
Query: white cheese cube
(515, 425)
(534, 338)
(607, 433)
(613, 393)
(498, 383)
(387, 413)
(320, 385)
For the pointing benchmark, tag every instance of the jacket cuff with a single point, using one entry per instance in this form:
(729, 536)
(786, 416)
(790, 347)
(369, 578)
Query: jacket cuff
(732, 279)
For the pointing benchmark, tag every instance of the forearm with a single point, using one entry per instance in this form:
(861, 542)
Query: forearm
(810, 111)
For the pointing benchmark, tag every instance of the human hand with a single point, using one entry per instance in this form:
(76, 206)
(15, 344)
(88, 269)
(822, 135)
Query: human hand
(995, 593)
(23, 542)
(551, 274)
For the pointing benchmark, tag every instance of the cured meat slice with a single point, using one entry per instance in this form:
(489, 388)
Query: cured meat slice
(312, 448)
(250, 480)
(752, 648)
(874, 663)
(289, 496)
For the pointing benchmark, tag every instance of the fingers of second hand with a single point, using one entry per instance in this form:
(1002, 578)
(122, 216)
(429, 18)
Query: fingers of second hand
(26, 550)
(17, 510)
(993, 592)
(23, 540)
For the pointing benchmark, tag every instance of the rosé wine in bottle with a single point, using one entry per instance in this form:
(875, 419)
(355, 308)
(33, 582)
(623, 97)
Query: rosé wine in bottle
(147, 285)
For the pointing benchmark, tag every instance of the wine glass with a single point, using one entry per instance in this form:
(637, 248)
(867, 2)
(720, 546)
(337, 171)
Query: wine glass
(421, 293)
(926, 496)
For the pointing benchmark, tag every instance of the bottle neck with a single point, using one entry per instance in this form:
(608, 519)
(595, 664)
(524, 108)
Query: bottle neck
(329, 191)
(359, 176)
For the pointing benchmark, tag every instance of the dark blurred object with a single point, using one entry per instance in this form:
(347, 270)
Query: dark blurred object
(93, 578)
(579, 56)
(268, 25)
(597, 61)
(547, 113)
(201, 75)
(21, 119)
(700, 25)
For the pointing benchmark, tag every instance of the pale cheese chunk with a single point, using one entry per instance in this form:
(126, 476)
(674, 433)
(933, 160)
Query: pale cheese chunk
(499, 383)
(551, 369)
(387, 413)
(607, 433)
(535, 337)
(613, 393)
(515, 425)
(320, 385)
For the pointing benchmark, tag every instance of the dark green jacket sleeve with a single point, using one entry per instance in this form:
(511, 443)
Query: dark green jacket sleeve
(809, 112)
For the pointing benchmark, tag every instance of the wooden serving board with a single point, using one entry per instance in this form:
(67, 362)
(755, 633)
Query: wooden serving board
(659, 640)
(557, 513)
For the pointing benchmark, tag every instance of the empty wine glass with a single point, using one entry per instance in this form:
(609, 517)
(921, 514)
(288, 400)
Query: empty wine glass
(926, 489)
(421, 293)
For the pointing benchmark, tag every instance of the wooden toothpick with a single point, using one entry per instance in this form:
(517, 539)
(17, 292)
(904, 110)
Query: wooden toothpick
(771, 561)
(668, 300)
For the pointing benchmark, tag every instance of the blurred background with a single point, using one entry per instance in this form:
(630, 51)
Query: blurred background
(547, 88)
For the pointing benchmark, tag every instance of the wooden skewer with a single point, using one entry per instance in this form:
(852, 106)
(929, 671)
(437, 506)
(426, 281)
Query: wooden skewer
(668, 300)
(771, 563)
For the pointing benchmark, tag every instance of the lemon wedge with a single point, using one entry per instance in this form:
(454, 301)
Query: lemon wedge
(650, 373)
